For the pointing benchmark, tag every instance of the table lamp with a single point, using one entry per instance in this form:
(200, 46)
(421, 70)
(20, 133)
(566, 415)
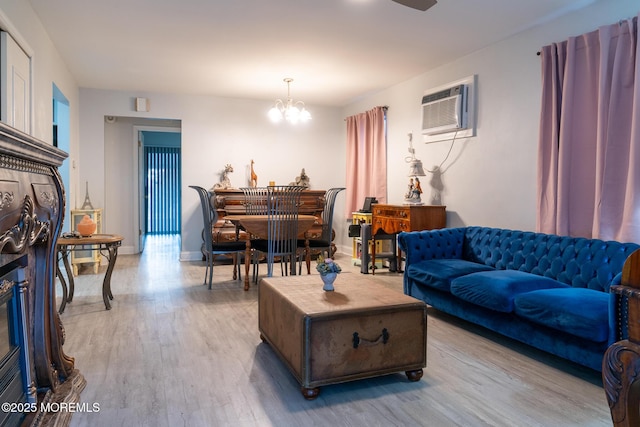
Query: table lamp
(412, 196)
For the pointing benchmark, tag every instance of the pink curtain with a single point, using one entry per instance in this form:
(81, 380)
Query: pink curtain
(589, 148)
(366, 158)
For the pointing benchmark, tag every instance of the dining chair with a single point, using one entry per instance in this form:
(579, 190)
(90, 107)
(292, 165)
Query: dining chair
(323, 243)
(255, 200)
(210, 248)
(255, 203)
(283, 204)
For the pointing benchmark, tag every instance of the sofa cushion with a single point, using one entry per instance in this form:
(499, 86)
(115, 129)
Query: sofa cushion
(497, 289)
(438, 273)
(577, 311)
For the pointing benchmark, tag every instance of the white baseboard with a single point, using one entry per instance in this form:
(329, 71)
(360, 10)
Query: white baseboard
(126, 250)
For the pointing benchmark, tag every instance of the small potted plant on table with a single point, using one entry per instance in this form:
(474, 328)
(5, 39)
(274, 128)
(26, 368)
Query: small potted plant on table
(328, 270)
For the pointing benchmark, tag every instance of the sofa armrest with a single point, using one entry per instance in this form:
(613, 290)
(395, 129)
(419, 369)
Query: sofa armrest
(444, 243)
(622, 358)
(623, 313)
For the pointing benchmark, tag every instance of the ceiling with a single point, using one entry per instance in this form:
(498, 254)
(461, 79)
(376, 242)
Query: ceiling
(335, 50)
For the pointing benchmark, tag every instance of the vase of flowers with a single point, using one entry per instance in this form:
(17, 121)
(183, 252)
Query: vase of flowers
(328, 270)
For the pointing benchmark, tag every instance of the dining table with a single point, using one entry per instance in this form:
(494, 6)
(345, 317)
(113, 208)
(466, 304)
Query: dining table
(257, 226)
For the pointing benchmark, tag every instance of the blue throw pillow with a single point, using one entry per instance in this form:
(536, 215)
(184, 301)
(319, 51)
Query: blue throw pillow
(438, 273)
(578, 311)
(497, 289)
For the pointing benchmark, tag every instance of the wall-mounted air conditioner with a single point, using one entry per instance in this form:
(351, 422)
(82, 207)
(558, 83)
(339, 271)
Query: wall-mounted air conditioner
(445, 110)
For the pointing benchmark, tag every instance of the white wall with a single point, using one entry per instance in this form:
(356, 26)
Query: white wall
(489, 179)
(215, 131)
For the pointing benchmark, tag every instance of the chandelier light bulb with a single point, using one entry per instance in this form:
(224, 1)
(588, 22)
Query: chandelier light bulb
(292, 114)
(275, 115)
(305, 115)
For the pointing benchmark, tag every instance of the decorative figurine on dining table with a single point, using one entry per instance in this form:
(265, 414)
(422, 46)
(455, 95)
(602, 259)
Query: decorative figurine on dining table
(225, 182)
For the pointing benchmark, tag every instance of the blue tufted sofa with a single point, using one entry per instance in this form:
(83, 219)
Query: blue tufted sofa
(548, 291)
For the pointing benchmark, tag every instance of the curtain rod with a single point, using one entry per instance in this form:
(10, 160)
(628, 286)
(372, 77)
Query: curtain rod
(384, 107)
(620, 22)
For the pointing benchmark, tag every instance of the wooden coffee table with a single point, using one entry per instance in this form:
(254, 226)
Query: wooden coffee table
(360, 330)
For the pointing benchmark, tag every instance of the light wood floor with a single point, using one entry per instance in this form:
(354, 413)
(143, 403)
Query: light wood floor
(171, 353)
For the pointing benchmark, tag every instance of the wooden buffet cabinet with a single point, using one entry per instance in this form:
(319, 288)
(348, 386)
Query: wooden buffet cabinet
(393, 219)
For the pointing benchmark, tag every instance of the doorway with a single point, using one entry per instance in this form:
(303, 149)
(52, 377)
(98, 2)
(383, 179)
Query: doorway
(125, 177)
(157, 195)
(162, 182)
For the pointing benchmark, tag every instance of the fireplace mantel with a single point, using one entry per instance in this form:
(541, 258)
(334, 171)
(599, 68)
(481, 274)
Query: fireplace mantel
(32, 205)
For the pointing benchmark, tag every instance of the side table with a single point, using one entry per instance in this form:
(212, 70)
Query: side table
(106, 244)
(393, 219)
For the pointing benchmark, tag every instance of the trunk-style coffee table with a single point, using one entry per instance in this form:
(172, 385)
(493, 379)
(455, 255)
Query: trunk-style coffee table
(360, 330)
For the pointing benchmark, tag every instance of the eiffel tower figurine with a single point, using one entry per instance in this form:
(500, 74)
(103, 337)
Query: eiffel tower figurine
(87, 201)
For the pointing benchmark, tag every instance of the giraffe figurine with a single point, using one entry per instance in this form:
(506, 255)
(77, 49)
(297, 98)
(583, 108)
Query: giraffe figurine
(253, 182)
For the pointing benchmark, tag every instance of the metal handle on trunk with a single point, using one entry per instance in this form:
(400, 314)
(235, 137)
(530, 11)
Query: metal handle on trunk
(384, 337)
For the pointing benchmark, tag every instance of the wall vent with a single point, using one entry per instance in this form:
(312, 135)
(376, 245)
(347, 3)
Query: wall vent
(445, 111)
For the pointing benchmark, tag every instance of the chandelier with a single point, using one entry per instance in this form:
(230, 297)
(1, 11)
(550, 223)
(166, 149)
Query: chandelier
(288, 110)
